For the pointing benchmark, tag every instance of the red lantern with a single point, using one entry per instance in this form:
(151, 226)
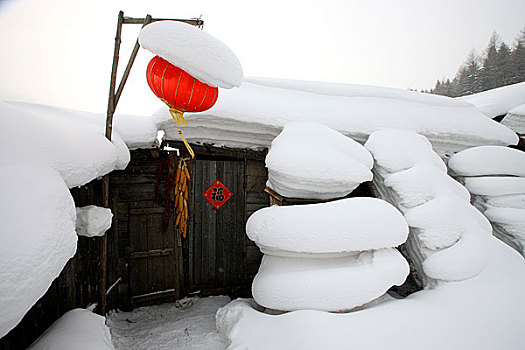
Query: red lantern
(179, 90)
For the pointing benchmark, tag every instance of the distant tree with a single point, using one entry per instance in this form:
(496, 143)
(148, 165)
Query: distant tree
(467, 78)
(518, 59)
(489, 70)
(503, 72)
(499, 65)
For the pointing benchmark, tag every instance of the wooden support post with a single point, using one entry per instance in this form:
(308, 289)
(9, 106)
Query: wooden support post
(105, 184)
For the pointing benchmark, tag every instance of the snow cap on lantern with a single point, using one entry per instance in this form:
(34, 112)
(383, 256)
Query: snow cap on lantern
(194, 51)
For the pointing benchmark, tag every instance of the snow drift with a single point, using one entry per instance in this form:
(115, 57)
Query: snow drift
(76, 329)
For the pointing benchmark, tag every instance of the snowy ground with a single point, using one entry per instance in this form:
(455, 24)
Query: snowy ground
(187, 324)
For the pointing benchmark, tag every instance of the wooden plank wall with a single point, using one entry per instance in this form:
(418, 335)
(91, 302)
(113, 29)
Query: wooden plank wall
(139, 232)
(256, 198)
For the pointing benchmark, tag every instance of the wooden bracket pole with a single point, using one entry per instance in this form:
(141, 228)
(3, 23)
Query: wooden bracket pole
(105, 183)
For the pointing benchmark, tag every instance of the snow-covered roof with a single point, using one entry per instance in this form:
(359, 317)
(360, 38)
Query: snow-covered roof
(255, 113)
(498, 101)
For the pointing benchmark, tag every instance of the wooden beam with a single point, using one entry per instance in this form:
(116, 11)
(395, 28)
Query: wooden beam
(193, 21)
(130, 64)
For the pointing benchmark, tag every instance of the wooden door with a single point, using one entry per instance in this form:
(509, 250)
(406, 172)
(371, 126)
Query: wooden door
(154, 262)
(217, 236)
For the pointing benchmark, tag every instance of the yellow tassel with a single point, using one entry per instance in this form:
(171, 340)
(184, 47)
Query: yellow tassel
(178, 116)
(186, 144)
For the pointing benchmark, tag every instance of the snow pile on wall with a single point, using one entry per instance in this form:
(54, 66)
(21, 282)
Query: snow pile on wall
(479, 312)
(495, 176)
(93, 221)
(448, 236)
(329, 256)
(515, 119)
(76, 329)
(346, 225)
(194, 51)
(497, 101)
(44, 150)
(255, 113)
(310, 160)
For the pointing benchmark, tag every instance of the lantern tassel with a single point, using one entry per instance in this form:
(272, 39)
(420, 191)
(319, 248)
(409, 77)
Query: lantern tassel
(178, 116)
(188, 147)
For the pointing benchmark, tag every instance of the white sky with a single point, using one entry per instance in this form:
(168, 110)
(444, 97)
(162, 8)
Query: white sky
(59, 52)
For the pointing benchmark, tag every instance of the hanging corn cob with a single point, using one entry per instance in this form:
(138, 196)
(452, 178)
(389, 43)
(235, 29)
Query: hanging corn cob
(181, 195)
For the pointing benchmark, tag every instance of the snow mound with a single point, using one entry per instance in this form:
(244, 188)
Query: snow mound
(498, 101)
(76, 329)
(396, 150)
(412, 191)
(71, 143)
(93, 221)
(515, 119)
(194, 51)
(439, 223)
(353, 224)
(495, 185)
(481, 313)
(512, 220)
(442, 222)
(462, 261)
(327, 284)
(488, 160)
(38, 237)
(508, 201)
(331, 167)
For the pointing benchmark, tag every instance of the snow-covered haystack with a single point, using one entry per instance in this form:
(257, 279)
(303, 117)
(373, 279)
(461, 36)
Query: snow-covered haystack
(76, 329)
(329, 256)
(515, 119)
(310, 160)
(43, 152)
(448, 236)
(495, 176)
(255, 113)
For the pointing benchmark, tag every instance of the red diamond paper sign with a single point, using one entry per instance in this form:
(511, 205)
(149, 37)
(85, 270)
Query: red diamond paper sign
(217, 194)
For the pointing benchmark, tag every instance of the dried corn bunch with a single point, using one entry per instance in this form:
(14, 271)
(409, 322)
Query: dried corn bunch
(181, 195)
